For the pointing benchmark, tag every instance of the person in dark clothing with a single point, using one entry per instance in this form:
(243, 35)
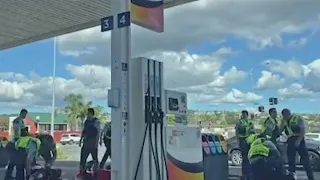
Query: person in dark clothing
(90, 138)
(106, 137)
(244, 128)
(47, 150)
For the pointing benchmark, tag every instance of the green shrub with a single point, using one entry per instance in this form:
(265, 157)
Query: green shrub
(61, 154)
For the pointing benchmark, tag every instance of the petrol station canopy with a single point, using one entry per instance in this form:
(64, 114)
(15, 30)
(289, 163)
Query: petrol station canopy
(26, 21)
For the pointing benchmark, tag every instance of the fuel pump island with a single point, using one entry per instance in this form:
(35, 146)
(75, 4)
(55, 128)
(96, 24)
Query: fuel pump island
(150, 149)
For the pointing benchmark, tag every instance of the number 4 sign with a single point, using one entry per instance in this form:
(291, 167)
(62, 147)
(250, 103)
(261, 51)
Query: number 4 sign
(124, 19)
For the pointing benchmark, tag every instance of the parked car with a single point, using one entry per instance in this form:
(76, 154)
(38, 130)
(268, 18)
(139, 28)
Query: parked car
(312, 146)
(70, 138)
(314, 136)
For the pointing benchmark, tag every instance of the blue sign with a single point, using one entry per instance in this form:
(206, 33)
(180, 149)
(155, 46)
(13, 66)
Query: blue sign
(124, 19)
(107, 24)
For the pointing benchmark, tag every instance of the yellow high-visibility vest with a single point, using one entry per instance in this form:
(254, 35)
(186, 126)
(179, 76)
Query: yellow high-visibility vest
(257, 148)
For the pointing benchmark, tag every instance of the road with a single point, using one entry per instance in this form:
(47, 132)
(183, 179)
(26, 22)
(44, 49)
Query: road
(70, 167)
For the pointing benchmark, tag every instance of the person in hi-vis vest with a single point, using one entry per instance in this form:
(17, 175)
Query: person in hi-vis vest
(18, 124)
(244, 128)
(294, 128)
(270, 126)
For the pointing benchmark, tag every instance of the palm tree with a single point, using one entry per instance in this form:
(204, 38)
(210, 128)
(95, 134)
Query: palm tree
(99, 113)
(77, 109)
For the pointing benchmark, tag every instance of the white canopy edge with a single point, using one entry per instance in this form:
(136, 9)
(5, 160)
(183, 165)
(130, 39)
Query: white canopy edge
(10, 39)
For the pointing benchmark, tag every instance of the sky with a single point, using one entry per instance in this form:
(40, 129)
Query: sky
(208, 48)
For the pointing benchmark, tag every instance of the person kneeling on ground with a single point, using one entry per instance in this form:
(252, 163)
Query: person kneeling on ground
(47, 150)
(265, 159)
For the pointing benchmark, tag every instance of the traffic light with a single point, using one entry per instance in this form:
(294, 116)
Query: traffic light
(273, 101)
(261, 108)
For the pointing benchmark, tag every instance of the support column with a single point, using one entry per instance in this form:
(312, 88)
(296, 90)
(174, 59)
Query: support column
(120, 59)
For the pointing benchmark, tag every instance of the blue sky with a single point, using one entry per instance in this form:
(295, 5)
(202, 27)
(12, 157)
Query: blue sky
(288, 42)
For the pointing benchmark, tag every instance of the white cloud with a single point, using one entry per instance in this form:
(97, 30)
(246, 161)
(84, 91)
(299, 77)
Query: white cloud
(312, 79)
(295, 90)
(236, 96)
(291, 69)
(198, 75)
(262, 23)
(230, 77)
(298, 42)
(18, 90)
(269, 81)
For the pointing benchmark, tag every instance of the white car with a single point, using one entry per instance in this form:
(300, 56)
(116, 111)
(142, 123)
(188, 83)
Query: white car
(314, 136)
(70, 138)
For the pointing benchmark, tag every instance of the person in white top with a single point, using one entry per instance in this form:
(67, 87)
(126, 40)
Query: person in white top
(19, 124)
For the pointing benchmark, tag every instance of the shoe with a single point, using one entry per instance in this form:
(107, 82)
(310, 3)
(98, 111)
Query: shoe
(80, 176)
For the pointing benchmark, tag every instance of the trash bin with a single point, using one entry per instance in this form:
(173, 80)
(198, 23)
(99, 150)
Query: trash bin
(215, 161)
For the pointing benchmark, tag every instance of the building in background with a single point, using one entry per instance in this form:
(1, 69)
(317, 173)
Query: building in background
(43, 121)
(36, 122)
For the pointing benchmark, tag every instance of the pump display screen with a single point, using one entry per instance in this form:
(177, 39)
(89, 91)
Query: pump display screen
(173, 104)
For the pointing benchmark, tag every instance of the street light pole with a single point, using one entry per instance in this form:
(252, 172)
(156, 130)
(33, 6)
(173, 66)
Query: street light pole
(251, 75)
(53, 87)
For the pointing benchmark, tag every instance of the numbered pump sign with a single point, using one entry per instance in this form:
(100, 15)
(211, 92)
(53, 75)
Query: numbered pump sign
(273, 101)
(123, 20)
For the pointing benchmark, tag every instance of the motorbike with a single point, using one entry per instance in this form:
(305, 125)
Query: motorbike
(44, 173)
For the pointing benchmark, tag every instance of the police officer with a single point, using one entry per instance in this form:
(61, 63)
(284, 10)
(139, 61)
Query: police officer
(106, 138)
(293, 125)
(18, 123)
(265, 159)
(27, 149)
(244, 128)
(90, 137)
(271, 127)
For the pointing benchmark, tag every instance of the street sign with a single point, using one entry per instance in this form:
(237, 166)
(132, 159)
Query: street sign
(107, 24)
(124, 19)
(273, 101)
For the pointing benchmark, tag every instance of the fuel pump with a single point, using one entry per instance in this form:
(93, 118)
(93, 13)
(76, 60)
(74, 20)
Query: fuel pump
(149, 154)
(184, 144)
(146, 138)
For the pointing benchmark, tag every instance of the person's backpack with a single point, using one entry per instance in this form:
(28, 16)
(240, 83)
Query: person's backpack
(90, 129)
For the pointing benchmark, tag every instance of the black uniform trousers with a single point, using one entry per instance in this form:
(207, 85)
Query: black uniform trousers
(107, 143)
(89, 146)
(302, 150)
(244, 147)
(17, 160)
(268, 168)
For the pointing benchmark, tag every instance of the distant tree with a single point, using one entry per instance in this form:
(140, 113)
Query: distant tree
(77, 109)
